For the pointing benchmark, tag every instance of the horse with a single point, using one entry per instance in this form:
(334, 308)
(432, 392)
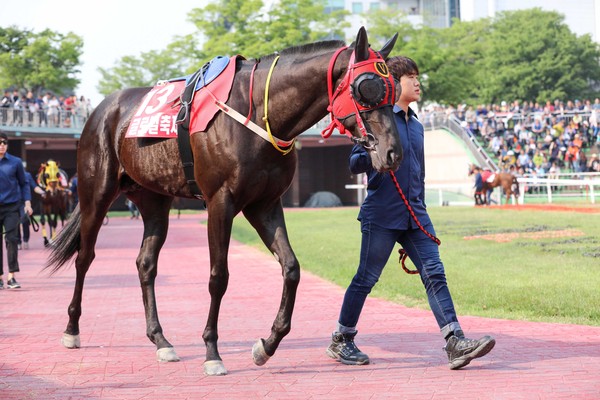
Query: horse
(491, 180)
(235, 169)
(54, 199)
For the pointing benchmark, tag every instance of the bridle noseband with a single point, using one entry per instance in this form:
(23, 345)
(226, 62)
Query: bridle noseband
(366, 86)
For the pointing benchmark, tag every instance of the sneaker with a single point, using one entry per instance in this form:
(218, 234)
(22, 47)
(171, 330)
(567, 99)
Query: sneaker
(13, 284)
(462, 350)
(343, 349)
(25, 245)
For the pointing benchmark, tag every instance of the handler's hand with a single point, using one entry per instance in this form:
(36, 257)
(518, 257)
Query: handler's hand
(28, 208)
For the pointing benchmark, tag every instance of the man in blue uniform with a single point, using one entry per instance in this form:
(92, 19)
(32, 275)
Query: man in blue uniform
(14, 192)
(386, 220)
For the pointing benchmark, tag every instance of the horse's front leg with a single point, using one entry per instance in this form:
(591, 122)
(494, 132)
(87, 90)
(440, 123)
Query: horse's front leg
(154, 209)
(44, 231)
(53, 224)
(270, 225)
(220, 219)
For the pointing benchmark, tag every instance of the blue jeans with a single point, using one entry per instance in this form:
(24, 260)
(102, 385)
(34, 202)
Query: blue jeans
(377, 245)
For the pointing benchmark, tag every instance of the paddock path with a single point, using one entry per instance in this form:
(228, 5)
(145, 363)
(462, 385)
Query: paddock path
(116, 361)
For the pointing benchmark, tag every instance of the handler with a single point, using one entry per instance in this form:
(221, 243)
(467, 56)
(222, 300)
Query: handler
(14, 190)
(386, 220)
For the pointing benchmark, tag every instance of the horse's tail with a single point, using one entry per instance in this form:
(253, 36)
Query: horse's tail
(66, 244)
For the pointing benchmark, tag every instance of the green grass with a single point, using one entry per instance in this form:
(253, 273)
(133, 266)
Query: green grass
(548, 279)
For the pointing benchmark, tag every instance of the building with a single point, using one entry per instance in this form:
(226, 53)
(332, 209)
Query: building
(582, 18)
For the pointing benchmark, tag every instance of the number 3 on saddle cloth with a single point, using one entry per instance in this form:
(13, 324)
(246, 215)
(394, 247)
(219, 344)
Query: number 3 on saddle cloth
(156, 116)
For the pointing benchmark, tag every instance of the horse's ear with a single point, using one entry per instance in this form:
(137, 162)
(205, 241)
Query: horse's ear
(361, 50)
(387, 48)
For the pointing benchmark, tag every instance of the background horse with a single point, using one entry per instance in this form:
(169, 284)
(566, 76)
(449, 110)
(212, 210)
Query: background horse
(54, 199)
(236, 170)
(507, 181)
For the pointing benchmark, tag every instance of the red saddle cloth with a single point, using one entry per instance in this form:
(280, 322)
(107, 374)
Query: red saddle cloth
(157, 113)
(487, 176)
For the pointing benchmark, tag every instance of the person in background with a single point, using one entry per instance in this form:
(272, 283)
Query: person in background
(73, 194)
(386, 219)
(135, 214)
(14, 192)
(34, 188)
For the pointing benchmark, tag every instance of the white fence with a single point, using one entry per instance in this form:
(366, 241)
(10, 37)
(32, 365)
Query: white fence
(584, 187)
(532, 190)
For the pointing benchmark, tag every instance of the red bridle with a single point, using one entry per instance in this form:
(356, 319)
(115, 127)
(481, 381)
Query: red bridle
(347, 101)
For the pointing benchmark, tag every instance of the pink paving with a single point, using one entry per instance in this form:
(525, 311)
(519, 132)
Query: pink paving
(117, 361)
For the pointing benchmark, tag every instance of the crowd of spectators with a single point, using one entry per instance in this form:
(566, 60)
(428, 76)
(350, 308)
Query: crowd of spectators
(23, 108)
(530, 139)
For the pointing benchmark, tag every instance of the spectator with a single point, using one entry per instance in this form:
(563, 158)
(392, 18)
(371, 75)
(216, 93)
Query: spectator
(53, 110)
(5, 104)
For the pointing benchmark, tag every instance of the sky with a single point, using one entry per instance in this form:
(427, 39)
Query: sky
(110, 29)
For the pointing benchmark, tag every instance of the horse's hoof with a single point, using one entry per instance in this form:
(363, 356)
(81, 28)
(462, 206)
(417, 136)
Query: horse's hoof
(259, 355)
(214, 368)
(166, 354)
(70, 341)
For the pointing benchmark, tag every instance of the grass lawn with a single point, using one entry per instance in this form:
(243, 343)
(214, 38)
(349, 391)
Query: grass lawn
(532, 265)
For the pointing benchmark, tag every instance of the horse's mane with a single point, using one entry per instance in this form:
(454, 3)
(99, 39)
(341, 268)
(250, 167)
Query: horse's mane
(310, 48)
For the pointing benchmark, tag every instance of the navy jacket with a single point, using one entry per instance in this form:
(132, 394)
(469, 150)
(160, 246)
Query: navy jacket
(13, 184)
(383, 205)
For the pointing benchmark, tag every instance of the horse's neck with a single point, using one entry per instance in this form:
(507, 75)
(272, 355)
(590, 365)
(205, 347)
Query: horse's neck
(288, 117)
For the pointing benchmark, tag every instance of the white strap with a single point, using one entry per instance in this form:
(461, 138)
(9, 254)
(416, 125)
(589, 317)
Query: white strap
(250, 125)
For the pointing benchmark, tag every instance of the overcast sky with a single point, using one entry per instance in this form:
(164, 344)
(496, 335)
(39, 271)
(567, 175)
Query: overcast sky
(110, 29)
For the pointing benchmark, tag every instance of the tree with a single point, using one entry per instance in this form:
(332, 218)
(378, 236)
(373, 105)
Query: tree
(533, 55)
(228, 27)
(39, 61)
(248, 28)
(149, 67)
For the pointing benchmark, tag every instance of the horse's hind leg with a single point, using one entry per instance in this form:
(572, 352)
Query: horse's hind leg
(270, 225)
(99, 186)
(154, 209)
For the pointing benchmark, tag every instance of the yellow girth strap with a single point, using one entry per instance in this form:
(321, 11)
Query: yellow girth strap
(266, 117)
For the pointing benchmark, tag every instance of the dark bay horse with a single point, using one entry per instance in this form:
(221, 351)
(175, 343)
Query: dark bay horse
(54, 199)
(236, 170)
(507, 181)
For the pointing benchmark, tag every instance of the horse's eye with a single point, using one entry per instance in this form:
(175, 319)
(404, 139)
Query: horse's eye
(369, 89)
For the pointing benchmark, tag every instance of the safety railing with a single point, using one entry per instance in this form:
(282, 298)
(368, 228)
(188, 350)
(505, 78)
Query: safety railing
(11, 117)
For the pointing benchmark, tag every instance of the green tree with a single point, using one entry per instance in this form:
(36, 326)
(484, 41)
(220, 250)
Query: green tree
(252, 30)
(149, 67)
(228, 27)
(46, 60)
(533, 55)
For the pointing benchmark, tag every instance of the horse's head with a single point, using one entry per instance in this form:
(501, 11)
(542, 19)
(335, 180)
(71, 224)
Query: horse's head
(51, 172)
(362, 104)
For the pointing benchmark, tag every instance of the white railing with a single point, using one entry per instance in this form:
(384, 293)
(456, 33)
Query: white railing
(563, 188)
(10, 117)
(545, 189)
